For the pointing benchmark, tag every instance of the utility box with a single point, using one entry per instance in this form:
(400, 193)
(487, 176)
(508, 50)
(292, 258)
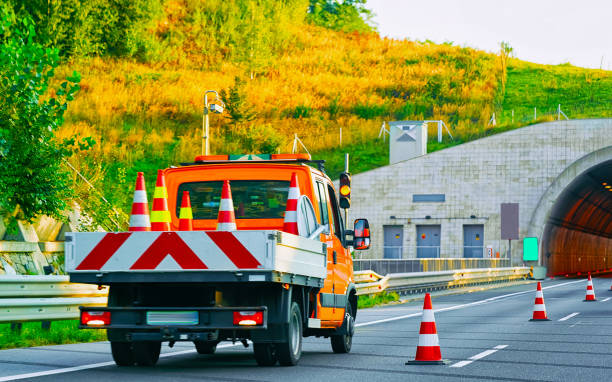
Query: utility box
(407, 140)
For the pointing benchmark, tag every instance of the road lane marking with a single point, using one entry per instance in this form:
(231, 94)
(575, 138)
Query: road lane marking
(569, 316)
(606, 299)
(479, 356)
(93, 366)
(455, 307)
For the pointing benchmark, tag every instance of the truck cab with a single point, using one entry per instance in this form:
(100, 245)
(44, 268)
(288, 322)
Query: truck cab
(303, 285)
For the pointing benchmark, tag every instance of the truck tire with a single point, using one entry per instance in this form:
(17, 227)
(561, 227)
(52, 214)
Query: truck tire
(289, 352)
(342, 343)
(265, 354)
(205, 347)
(123, 354)
(146, 353)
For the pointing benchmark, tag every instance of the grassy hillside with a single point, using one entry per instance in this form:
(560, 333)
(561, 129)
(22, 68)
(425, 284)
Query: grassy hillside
(144, 109)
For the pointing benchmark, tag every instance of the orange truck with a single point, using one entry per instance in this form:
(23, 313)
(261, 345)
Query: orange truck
(256, 284)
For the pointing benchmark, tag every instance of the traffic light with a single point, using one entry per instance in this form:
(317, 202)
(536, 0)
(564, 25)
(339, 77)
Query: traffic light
(345, 190)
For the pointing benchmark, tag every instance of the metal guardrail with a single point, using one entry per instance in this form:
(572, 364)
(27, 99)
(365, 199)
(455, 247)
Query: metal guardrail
(45, 298)
(386, 266)
(369, 282)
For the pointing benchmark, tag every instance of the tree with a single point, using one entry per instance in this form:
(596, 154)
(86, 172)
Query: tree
(237, 107)
(345, 16)
(33, 179)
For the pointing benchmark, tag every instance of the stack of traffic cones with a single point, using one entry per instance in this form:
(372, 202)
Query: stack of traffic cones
(290, 225)
(590, 293)
(226, 221)
(539, 308)
(185, 214)
(139, 219)
(160, 215)
(428, 350)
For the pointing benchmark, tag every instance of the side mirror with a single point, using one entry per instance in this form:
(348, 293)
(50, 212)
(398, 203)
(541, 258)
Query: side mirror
(361, 235)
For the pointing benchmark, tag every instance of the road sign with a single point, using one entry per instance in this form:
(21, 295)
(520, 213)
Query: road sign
(509, 221)
(530, 249)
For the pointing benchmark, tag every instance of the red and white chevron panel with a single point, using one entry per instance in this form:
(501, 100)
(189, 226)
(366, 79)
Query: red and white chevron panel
(167, 251)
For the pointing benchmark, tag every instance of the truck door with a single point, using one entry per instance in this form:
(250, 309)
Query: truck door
(328, 311)
(343, 262)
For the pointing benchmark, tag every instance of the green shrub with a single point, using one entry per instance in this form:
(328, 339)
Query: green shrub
(370, 111)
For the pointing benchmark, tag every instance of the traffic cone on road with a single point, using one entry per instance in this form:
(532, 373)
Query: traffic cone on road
(139, 219)
(428, 349)
(226, 221)
(185, 214)
(539, 308)
(160, 215)
(290, 225)
(590, 293)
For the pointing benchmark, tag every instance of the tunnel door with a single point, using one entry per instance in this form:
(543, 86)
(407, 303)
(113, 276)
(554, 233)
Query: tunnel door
(473, 240)
(394, 239)
(428, 241)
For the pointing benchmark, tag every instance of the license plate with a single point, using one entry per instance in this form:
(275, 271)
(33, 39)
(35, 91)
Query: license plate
(172, 318)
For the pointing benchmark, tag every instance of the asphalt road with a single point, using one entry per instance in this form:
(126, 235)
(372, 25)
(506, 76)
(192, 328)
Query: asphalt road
(484, 335)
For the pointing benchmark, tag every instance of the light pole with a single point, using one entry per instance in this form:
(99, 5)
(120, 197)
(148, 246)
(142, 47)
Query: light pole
(216, 107)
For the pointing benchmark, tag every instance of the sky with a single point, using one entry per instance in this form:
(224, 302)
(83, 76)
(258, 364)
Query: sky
(542, 31)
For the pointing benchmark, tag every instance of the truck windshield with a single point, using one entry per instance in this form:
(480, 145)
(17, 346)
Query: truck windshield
(253, 199)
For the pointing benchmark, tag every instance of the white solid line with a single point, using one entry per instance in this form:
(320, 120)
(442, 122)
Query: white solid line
(606, 299)
(92, 366)
(454, 307)
(569, 316)
(483, 354)
(499, 347)
(461, 363)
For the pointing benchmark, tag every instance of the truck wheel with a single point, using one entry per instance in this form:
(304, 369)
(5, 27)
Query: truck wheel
(289, 352)
(146, 353)
(123, 354)
(265, 354)
(343, 343)
(205, 347)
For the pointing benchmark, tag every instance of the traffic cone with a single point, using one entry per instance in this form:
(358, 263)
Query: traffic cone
(185, 214)
(590, 293)
(428, 349)
(139, 219)
(160, 216)
(539, 308)
(290, 225)
(226, 221)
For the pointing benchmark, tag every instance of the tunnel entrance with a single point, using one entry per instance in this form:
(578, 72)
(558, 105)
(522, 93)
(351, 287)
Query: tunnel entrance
(578, 233)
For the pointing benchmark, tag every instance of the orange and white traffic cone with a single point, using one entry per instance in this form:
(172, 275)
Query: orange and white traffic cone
(226, 221)
(185, 214)
(160, 215)
(139, 219)
(428, 349)
(590, 293)
(539, 308)
(290, 225)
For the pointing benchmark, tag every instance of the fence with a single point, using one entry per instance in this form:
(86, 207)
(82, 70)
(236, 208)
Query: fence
(386, 266)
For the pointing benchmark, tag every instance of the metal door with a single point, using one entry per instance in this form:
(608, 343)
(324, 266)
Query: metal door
(394, 239)
(428, 241)
(473, 240)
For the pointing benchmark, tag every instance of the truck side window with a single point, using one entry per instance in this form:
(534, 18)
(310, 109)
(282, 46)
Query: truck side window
(338, 226)
(322, 196)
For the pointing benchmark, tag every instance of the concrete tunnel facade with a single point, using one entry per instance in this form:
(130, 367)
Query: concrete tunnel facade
(555, 171)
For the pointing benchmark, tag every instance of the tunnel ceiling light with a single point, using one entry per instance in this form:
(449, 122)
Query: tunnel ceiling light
(605, 184)
(608, 187)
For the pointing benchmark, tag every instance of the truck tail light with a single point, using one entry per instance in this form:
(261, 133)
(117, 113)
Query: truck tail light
(248, 318)
(93, 318)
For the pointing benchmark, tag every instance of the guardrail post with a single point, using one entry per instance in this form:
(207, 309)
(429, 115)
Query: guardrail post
(45, 325)
(16, 327)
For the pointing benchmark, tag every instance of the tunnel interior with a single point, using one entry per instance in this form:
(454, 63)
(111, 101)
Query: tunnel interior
(578, 234)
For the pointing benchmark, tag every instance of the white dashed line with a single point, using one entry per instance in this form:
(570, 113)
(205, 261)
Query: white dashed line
(606, 299)
(479, 356)
(569, 316)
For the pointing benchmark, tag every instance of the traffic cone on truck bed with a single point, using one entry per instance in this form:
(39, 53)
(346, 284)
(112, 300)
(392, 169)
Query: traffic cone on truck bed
(160, 215)
(185, 214)
(590, 293)
(139, 219)
(290, 225)
(428, 349)
(539, 308)
(226, 221)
